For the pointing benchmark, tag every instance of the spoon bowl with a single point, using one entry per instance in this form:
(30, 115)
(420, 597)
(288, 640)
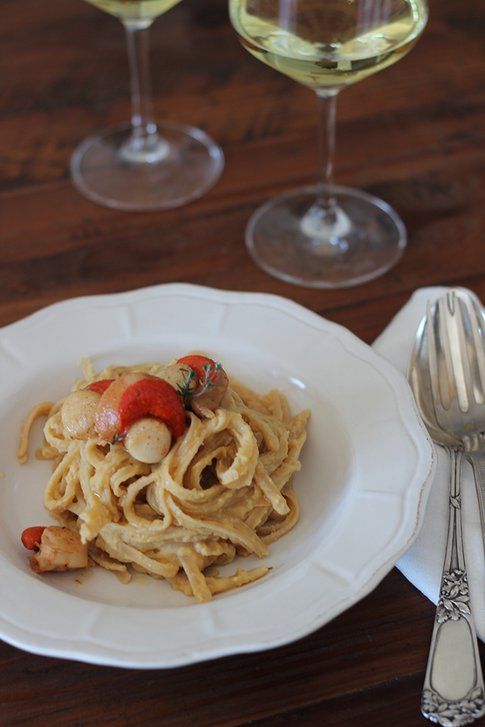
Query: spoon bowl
(459, 376)
(419, 378)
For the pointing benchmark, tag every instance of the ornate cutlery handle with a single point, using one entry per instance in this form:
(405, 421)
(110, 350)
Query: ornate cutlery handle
(453, 691)
(477, 461)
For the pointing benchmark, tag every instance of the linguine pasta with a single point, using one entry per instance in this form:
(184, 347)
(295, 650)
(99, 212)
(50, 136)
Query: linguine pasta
(223, 490)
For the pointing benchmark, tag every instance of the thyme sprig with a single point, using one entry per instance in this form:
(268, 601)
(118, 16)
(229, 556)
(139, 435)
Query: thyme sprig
(118, 437)
(188, 392)
(185, 389)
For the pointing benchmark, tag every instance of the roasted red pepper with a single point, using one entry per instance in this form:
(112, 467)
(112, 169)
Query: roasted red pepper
(31, 537)
(151, 397)
(100, 386)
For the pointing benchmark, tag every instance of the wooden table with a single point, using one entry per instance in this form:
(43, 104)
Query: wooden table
(410, 135)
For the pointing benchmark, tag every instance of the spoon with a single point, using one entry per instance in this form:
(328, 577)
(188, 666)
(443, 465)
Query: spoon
(453, 690)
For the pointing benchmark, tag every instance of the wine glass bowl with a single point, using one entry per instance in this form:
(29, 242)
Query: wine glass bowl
(328, 43)
(144, 165)
(140, 12)
(327, 236)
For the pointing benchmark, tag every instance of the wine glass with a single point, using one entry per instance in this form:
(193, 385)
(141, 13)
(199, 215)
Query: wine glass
(325, 236)
(144, 165)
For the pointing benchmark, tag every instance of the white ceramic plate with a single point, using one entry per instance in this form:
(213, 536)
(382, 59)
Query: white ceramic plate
(367, 467)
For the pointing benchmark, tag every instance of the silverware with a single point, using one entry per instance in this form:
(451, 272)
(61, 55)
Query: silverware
(453, 690)
(459, 379)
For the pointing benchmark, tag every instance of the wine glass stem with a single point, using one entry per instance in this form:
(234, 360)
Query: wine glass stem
(327, 109)
(144, 144)
(325, 224)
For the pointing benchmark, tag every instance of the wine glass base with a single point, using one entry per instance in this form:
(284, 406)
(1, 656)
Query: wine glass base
(289, 240)
(184, 165)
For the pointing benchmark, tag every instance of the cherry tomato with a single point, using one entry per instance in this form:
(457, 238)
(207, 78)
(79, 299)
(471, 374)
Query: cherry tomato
(31, 537)
(198, 364)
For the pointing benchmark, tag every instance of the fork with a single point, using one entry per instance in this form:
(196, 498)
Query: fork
(459, 379)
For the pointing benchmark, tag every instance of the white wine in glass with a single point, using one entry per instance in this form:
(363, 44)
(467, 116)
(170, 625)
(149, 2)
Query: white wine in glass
(144, 165)
(135, 11)
(326, 236)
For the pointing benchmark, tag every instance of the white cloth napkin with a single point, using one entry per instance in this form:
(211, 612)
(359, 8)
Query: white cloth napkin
(423, 562)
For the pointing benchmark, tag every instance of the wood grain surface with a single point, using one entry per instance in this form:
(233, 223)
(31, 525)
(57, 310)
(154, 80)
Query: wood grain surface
(412, 135)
